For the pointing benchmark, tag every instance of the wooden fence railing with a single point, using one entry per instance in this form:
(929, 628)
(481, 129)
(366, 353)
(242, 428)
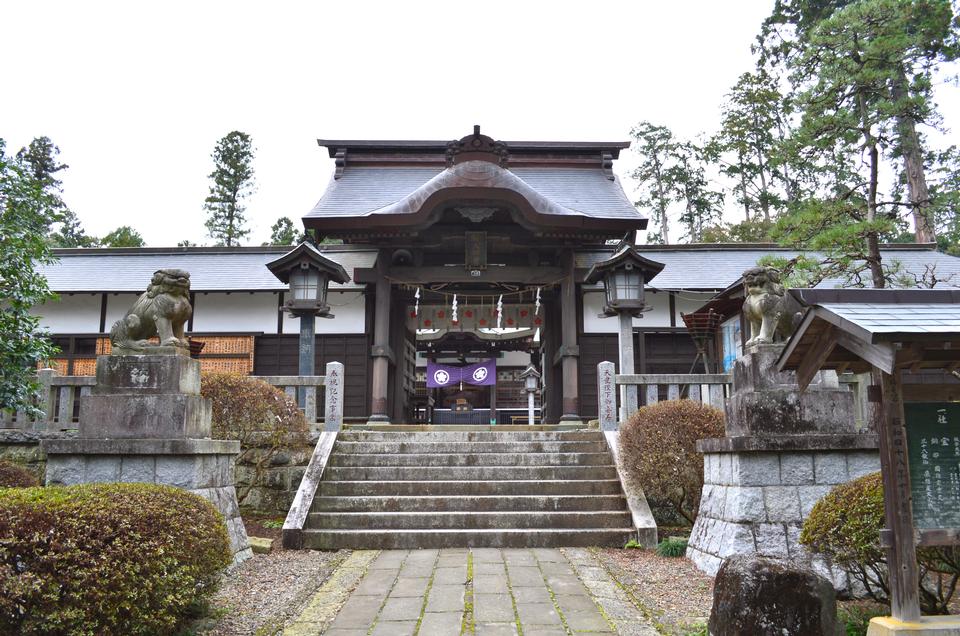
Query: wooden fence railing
(637, 390)
(60, 399)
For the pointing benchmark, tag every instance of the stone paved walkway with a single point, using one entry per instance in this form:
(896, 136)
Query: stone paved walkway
(536, 592)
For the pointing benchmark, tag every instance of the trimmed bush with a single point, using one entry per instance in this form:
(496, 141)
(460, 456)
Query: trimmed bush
(672, 547)
(16, 476)
(106, 558)
(257, 414)
(845, 526)
(658, 446)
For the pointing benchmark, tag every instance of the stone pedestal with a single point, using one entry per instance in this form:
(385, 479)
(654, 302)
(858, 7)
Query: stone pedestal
(782, 452)
(145, 421)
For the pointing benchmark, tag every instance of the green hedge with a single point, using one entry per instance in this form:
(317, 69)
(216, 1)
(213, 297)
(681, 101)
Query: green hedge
(15, 476)
(844, 526)
(106, 558)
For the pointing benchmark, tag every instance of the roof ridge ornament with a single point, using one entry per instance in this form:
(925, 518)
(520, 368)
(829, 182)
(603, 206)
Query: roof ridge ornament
(477, 147)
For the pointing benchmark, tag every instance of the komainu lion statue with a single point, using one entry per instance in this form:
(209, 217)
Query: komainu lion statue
(161, 311)
(771, 312)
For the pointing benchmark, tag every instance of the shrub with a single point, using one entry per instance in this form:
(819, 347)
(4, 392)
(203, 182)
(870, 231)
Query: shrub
(16, 476)
(259, 415)
(658, 446)
(845, 526)
(106, 558)
(672, 547)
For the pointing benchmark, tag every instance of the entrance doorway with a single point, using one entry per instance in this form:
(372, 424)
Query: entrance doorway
(502, 328)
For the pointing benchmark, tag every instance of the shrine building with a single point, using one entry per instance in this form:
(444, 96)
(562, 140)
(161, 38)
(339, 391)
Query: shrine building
(457, 252)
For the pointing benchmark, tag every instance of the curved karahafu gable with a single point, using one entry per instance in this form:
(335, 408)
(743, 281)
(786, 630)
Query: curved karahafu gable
(545, 185)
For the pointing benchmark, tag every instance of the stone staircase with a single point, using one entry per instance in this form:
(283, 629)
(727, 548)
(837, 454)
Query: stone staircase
(468, 488)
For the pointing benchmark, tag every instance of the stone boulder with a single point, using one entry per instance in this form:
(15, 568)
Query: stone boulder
(756, 596)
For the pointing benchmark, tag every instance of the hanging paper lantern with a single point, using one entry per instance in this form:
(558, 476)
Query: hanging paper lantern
(523, 313)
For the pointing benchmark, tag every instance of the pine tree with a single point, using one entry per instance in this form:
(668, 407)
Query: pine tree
(232, 183)
(284, 232)
(904, 42)
(123, 236)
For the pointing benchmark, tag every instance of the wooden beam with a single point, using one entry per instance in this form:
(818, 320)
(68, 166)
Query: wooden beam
(880, 355)
(457, 274)
(816, 355)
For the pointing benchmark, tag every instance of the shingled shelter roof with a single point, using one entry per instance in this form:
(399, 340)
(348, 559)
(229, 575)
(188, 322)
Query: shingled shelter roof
(856, 329)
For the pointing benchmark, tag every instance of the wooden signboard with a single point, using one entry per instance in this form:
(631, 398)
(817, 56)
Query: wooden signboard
(933, 444)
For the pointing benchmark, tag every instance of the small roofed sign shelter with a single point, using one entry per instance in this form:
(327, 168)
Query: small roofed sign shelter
(888, 332)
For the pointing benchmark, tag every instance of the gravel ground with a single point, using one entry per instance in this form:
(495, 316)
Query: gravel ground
(266, 590)
(674, 594)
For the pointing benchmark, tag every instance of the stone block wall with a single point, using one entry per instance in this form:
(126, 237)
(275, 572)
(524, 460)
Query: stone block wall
(281, 479)
(273, 497)
(756, 502)
(208, 474)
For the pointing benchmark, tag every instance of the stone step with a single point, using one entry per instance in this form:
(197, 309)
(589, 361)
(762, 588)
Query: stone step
(417, 446)
(467, 473)
(471, 436)
(466, 520)
(474, 488)
(476, 538)
(479, 503)
(471, 459)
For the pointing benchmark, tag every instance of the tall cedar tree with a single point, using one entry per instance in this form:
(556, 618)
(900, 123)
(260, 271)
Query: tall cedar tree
(40, 160)
(232, 183)
(26, 207)
(910, 39)
(686, 177)
(654, 144)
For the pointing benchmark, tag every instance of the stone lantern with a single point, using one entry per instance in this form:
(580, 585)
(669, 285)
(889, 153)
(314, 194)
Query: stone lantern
(531, 384)
(624, 275)
(308, 272)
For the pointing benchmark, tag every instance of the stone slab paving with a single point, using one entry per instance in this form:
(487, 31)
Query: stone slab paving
(486, 592)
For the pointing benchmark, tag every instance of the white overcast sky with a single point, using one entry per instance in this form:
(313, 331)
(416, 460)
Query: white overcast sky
(136, 94)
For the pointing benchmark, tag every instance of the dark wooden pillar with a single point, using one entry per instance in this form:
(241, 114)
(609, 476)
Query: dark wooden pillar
(380, 351)
(569, 351)
(898, 501)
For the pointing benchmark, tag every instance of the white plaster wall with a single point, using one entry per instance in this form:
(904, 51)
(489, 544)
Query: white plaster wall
(349, 315)
(657, 316)
(688, 302)
(77, 313)
(236, 312)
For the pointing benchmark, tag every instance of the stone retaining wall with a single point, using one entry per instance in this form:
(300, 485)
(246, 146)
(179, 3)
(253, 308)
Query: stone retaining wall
(756, 502)
(273, 497)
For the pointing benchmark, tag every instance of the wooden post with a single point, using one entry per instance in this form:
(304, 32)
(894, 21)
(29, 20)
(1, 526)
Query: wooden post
(333, 397)
(569, 351)
(493, 403)
(897, 500)
(607, 396)
(628, 392)
(381, 344)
